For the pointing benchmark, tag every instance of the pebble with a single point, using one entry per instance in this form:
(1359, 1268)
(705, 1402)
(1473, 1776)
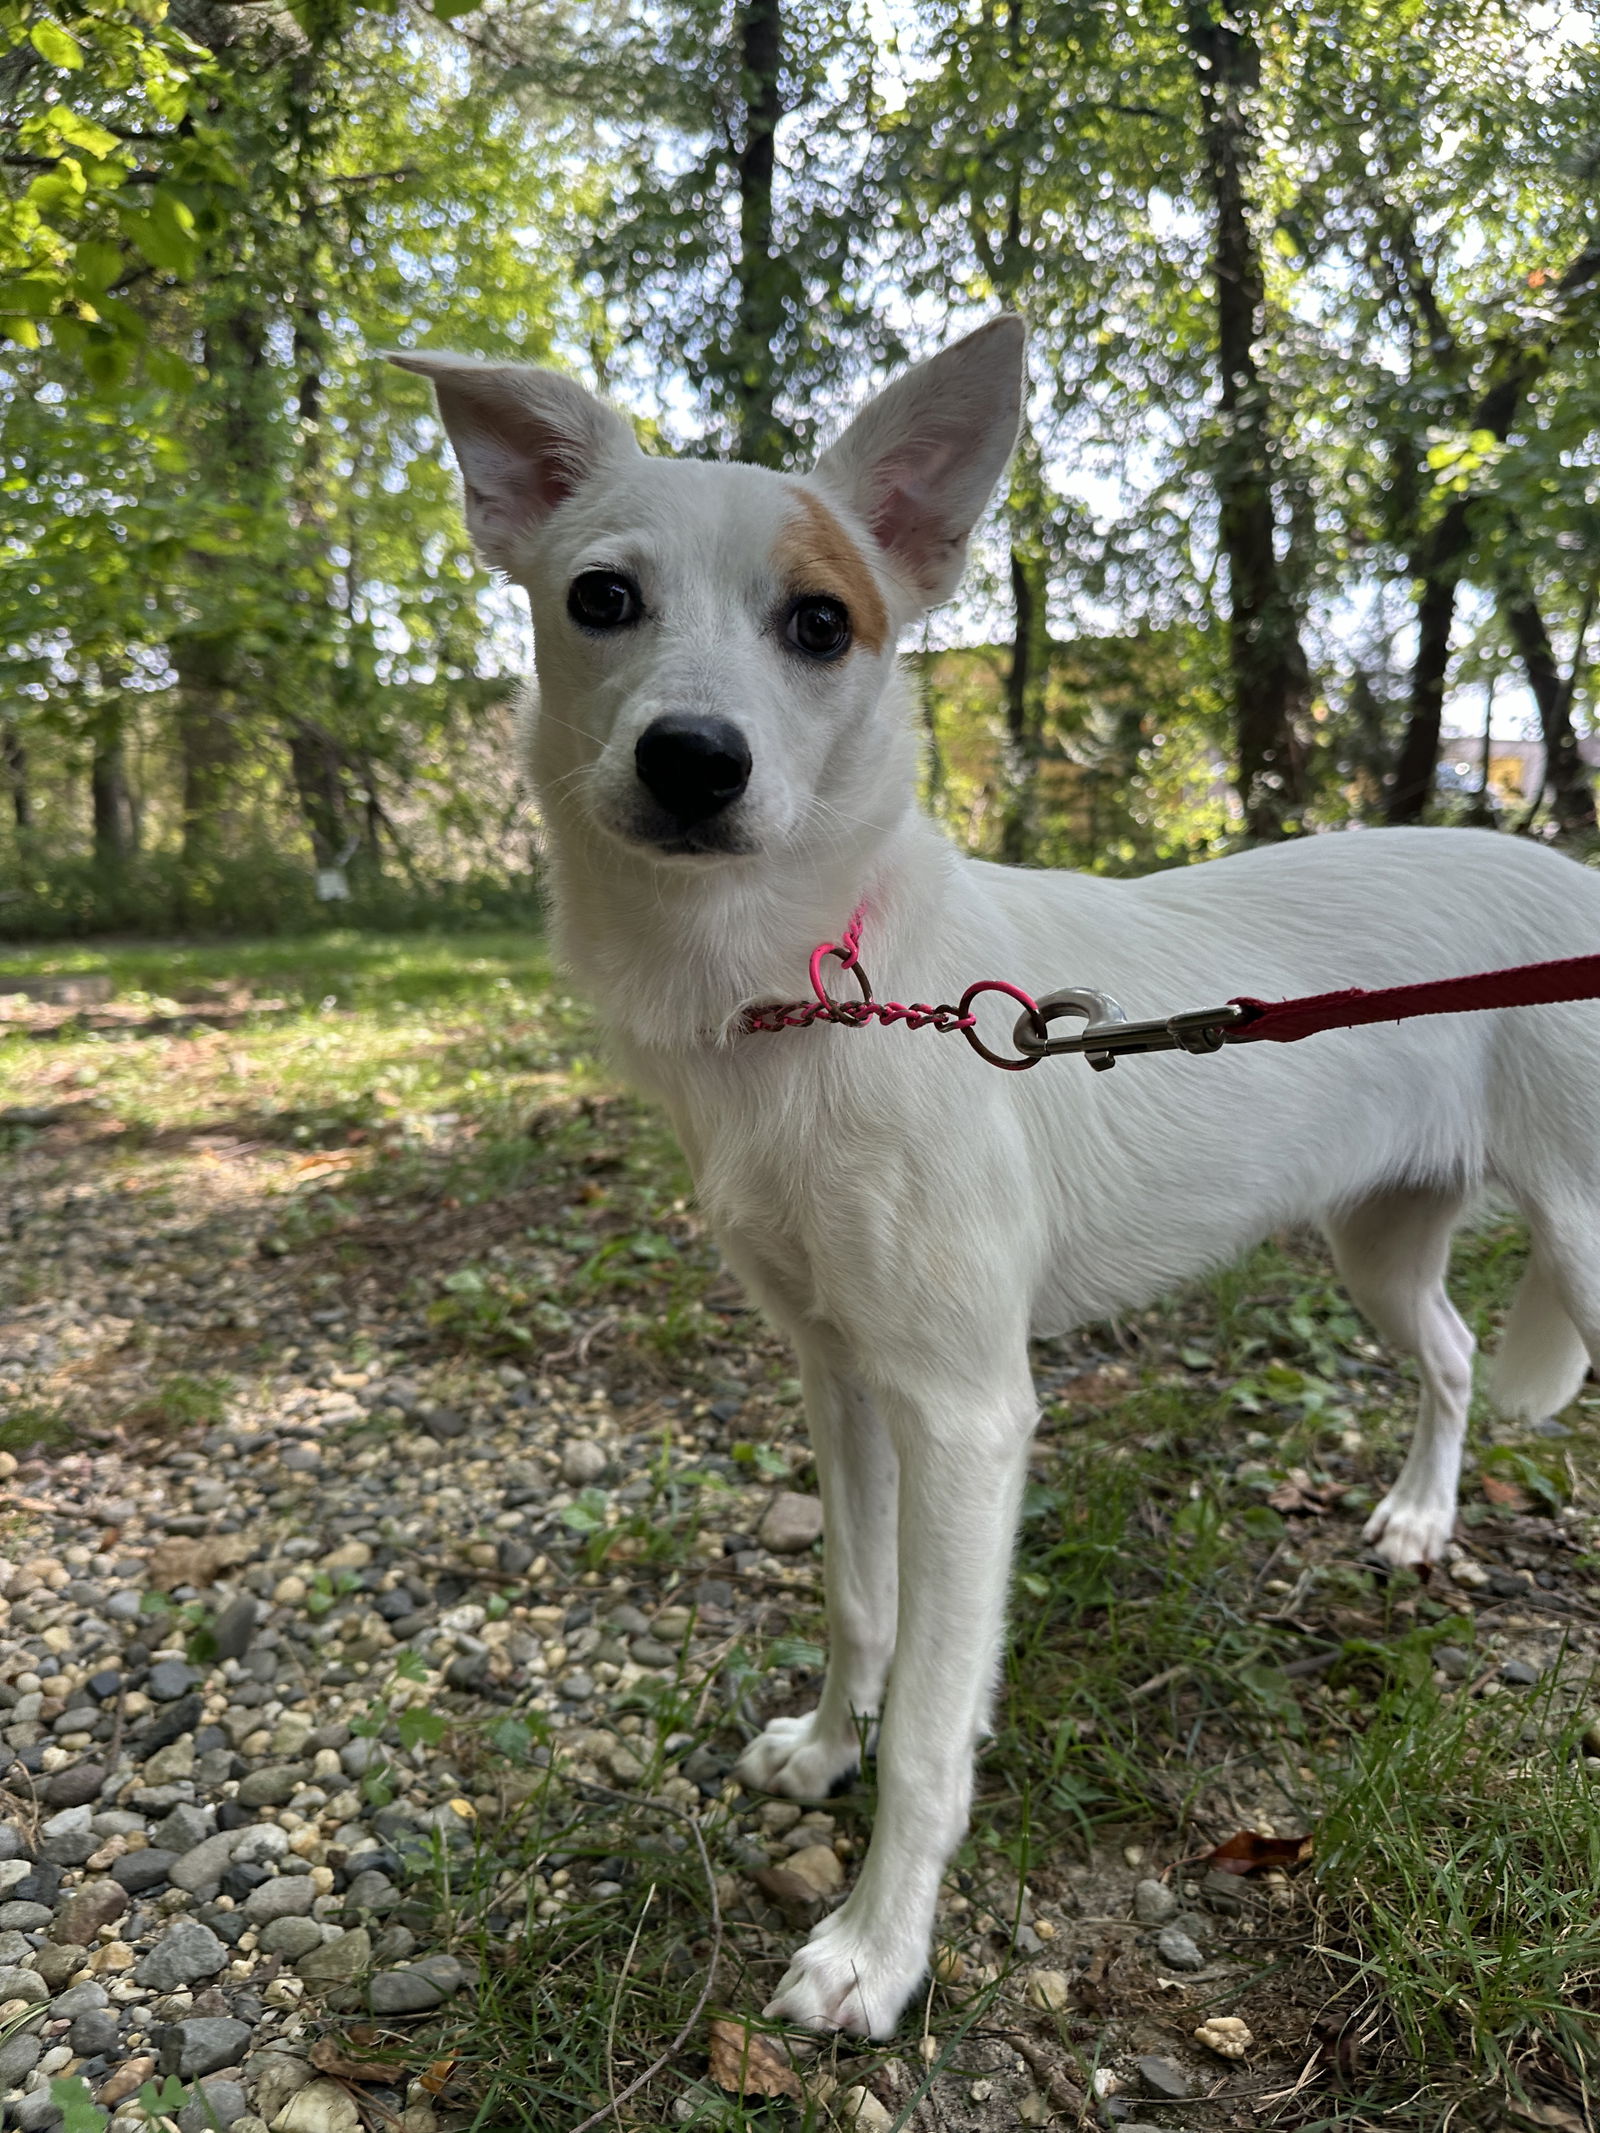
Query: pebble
(1154, 1903)
(791, 1522)
(203, 2045)
(337, 1962)
(284, 1896)
(1049, 1990)
(213, 2105)
(1162, 2078)
(186, 1953)
(1454, 1663)
(1518, 1674)
(88, 1909)
(582, 1462)
(170, 1679)
(274, 1785)
(1177, 1950)
(320, 2107)
(860, 2110)
(818, 1866)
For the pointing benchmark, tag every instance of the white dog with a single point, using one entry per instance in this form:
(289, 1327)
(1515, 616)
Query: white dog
(726, 756)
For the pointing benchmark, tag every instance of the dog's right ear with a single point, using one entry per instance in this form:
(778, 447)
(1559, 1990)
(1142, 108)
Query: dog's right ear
(525, 439)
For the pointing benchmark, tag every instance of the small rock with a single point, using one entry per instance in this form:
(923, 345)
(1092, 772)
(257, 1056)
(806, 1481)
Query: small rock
(339, 1961)
(19, 2055)
(861, 2111)
(203, 2045)
(582, 1462)
(182, 1830)
(76, 1786)
(401, 1992)
(87, 1909)
(1162, 2078)
(1049, 1989)
(169, 1679)
(290, 1937)
(320, 2107)
(274, 2077)
(1154, 1903)
(1177, 1950)
(818, 1867)
(1452, 1661)
(147, 1869)
(792, 1522)
(123, 2080)
(649, 1651)
(1225, 2035)
(236, 1625)
(1518, 1674)
(185, 1953)
(215, 2104)
(274, 1785)
(20, 1984)
(94, 2033)
(444, 1424)
(57, 1960)
(286, 1896)
(200, 1871)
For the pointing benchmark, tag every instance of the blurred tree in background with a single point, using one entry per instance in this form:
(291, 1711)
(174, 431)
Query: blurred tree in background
(1309, 457)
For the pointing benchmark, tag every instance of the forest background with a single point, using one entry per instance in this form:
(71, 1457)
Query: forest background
(1304, 530)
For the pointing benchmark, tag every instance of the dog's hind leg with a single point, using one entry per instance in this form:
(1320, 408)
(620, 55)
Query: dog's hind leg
(1392, 1252)
(963, 1459)
(809, 1757)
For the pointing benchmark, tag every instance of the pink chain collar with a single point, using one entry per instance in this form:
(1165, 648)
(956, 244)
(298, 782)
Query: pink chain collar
(856, 1014)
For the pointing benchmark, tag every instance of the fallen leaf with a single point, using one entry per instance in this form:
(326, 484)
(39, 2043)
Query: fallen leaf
(1555, 2115)
(747, 2064)
(437, 2079)
(329, 2059)
(196, 1562)
(1300, 1496)
(1510, 1495)
(1250, 1853)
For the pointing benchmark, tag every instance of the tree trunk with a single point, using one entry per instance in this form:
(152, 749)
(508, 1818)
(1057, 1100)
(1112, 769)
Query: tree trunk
(208, 741)
(317, 763)
(14, 754)
(1514, 371)
(759, 316)
(110, 800)
(1566, 776)
(1025, 679)
(1271, 680)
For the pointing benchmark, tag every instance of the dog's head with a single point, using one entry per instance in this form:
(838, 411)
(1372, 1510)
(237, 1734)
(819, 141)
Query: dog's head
(713, 642)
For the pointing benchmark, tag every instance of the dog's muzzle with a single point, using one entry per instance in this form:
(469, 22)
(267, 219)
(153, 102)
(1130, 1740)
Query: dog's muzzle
(692, 767)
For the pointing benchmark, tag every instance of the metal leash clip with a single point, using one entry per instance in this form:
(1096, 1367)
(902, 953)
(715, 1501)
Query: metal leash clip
(1107, 1032)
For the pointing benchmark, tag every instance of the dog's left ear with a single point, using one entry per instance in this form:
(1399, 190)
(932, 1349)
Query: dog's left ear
(525, 439)
(920, 463)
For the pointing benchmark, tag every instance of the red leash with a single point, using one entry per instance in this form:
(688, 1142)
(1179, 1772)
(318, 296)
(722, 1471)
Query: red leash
(1108, 1034)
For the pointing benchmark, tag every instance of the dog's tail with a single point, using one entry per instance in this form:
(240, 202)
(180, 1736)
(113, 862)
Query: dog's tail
(1541, 1359)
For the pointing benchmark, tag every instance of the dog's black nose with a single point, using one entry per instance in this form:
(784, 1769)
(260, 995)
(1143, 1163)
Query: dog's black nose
(693, 766)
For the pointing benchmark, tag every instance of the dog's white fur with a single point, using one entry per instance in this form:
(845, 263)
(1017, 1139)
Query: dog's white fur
(906, 1214)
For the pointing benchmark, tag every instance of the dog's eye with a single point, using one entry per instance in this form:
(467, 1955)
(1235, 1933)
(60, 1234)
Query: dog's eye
(819, 627)
(604, 600)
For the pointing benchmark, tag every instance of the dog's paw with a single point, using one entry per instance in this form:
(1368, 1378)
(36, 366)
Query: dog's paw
(1407, 1531)
(841, 1980)
(793, 1756)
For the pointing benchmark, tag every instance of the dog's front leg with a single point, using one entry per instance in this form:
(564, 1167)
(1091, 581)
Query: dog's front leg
(962, 1464)
(809, 1757)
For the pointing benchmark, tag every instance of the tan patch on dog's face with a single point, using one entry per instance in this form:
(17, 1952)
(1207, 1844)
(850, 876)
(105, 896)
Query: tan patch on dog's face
(816, 555)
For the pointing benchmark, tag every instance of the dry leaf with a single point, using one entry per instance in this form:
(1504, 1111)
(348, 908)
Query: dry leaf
(437, 2079)
(1510, 1495)
(1301, 1496)
(1251, 1853)
(329, 2059)
(196, 1562)
(747, 2064)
